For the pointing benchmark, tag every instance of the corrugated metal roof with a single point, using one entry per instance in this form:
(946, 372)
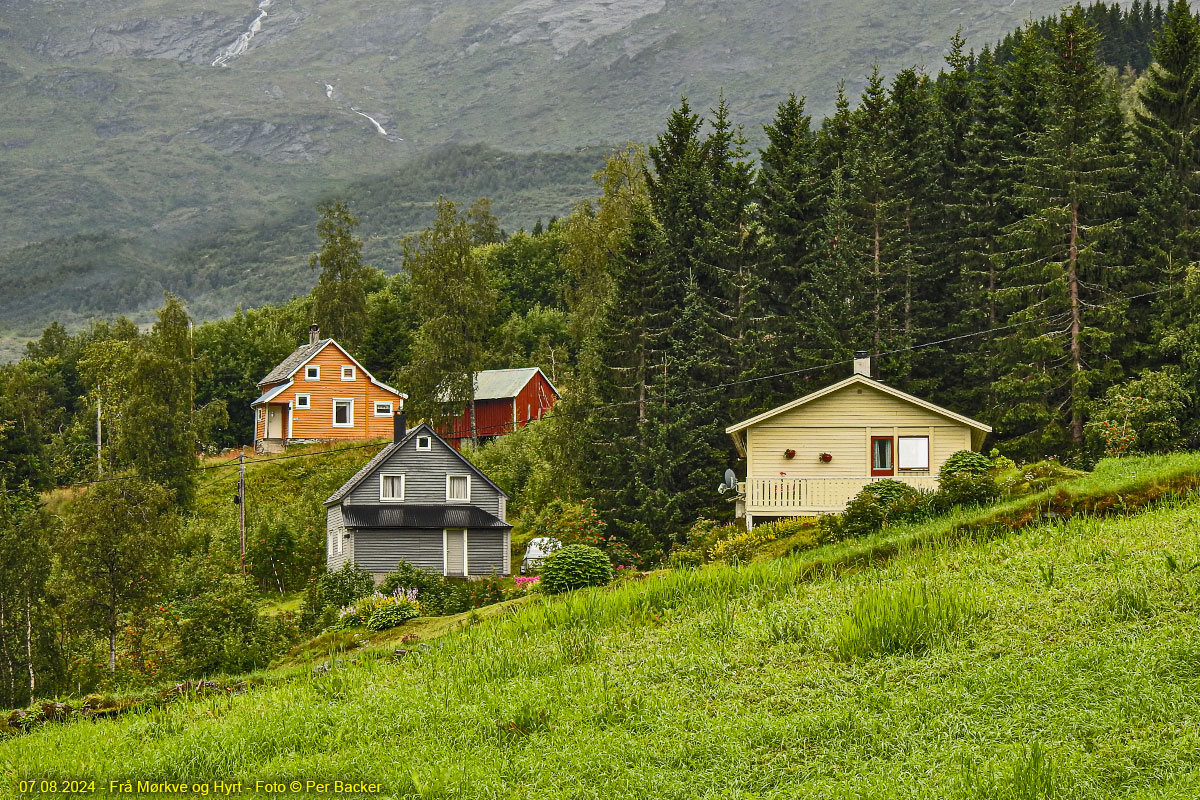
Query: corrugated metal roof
(404, 516)
(289, 364)
(498, 384)
(271, 394)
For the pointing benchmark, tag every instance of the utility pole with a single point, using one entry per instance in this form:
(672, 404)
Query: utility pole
(99, 459)
(242, 506)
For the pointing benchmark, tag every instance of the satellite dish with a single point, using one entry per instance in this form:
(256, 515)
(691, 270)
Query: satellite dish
(730, 479)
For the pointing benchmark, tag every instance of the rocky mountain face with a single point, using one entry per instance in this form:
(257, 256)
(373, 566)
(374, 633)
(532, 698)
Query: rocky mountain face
(163, 122)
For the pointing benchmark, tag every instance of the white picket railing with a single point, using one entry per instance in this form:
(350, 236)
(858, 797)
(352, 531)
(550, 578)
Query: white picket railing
(814, 494)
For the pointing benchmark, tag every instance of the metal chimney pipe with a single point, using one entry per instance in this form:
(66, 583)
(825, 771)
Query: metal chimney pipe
(862, 363)
(314, 334)
(399, 426)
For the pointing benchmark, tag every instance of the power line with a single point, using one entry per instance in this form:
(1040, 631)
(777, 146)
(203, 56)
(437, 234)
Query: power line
(505, 426)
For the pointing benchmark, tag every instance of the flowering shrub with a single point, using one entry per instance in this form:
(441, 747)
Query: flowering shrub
(381, 611)
(741, 547)
(526, 583)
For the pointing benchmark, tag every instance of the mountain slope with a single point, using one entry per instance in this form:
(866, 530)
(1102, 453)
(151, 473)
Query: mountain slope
(126, 127)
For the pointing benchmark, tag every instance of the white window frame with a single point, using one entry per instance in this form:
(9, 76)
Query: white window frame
(350, 402)
(450, 499)
(351, 375)
(303, 402)
(312, 372)
(403, 487)
(900, 465)
(425, 443)
(375, 408)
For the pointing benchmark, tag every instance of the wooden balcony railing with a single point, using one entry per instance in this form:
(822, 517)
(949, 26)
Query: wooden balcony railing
(814, 494)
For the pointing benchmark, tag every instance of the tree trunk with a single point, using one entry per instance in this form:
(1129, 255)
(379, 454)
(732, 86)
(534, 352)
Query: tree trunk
(29, 643)
(878, 283)
(1076, 327)
(474, 430)
(12, 686)
(112, 629)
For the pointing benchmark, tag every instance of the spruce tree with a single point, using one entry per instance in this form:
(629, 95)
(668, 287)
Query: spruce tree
(789, 191)
(1060, 280)
(1167, 230)
(877, 205)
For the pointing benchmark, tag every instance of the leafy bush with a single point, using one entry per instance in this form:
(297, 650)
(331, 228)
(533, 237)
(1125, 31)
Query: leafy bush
(880, 504)
(575, 567)
(221, 630)
(902, 620)
(966, 462)
(438, 595)
(1138, 416)
(966, 478)
(343, 586)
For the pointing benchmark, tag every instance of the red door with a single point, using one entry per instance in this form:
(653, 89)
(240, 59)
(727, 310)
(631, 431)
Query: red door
(882, 456)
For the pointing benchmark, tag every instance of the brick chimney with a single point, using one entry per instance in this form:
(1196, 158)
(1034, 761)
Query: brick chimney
(314, 334)
(862, 363)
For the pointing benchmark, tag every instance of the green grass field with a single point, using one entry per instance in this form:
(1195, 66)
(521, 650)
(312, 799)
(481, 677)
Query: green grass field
(1056, 661)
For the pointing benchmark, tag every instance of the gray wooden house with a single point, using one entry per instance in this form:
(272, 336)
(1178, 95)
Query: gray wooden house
(419, 501)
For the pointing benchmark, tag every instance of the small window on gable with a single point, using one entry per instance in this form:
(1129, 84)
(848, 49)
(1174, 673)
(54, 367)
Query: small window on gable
(303, 401)
(912, 453)
(391, 488)
(312, 372)
(347, 372)
(383, 408)
(424, 442)
(458, 488)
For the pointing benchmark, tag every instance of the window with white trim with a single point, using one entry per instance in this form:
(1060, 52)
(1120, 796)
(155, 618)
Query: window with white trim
(458, 488)
(912, 453)
(329, 537)
(347, 372)
(303, 401)
(312, 372)
(343, 413)
(424, 442)
(383, 408)
(391, 487)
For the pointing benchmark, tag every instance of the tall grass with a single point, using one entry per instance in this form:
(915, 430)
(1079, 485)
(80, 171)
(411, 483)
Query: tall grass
(907, 619)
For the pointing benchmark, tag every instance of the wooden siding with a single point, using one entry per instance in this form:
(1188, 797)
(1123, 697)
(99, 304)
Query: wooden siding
(380, 551)
(425, 474)
(500, 416)
(334, 531)
(842, 424)
(485, 552)
(317, 422)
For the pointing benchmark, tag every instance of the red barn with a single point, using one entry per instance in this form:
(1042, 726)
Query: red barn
(505, 399)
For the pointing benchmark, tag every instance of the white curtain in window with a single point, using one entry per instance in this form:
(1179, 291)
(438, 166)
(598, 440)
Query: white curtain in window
(914, 452)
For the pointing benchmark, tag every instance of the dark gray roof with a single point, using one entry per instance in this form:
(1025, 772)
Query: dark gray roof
(289, 364)
(383, 455)
(404, 516)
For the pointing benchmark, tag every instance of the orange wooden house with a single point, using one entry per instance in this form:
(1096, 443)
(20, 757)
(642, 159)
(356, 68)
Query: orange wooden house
(321, 393)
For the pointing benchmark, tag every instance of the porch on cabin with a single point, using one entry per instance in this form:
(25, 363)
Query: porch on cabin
(800, 497)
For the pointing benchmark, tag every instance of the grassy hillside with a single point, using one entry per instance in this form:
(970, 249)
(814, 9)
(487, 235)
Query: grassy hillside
(1055, 661)
(121, 126)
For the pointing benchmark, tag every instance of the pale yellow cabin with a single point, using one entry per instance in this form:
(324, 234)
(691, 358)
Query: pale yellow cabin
(812, 455)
